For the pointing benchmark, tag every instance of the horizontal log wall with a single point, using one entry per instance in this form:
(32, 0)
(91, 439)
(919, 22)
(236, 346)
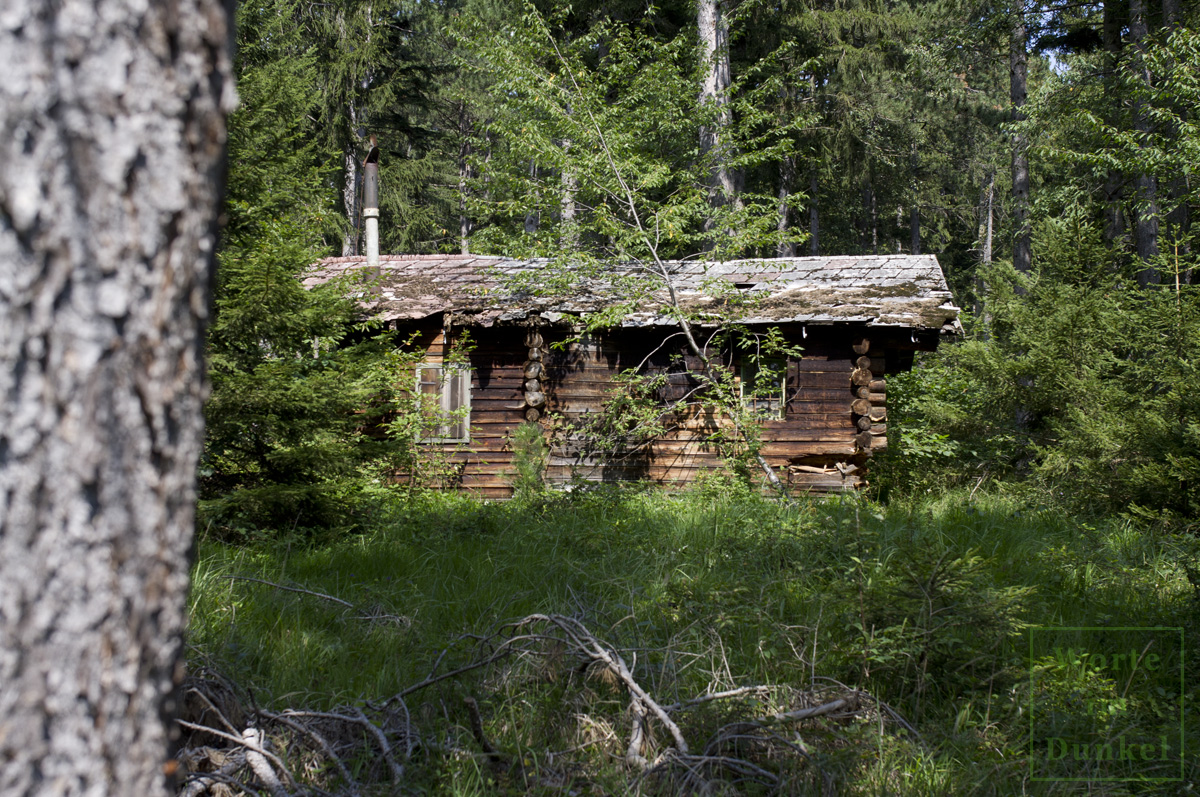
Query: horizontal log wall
(836, 406)
(484, 465)
(812, 448)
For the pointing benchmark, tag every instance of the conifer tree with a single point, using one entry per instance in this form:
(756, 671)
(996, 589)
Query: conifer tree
(284, 423)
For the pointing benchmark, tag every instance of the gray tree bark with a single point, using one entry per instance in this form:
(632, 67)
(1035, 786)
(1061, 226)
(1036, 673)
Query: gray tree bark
(989, 210)
(112, 135)
(568, 236)
(1017, 64)
(465, 174)
(350, 187)
(783, 223)
(914, 212)
(814, 218)
(726, 182)
(533, 218)
(870, 213)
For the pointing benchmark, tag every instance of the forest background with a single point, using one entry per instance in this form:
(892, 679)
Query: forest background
(1046, 470)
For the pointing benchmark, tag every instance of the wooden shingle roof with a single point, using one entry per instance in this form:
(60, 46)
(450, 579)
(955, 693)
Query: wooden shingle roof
(886, 290)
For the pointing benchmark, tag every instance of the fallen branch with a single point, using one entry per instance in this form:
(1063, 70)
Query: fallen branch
(250, 744)
(379, 739)
(799, 714)
(253, 741)
(320, 595)
(729, 693)
(199, 783)
(325, 746)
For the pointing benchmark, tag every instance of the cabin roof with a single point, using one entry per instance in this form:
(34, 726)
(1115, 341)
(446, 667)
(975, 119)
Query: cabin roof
(882, 290)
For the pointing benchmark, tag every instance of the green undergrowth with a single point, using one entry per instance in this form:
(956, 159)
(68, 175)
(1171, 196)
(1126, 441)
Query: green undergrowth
(926, 605)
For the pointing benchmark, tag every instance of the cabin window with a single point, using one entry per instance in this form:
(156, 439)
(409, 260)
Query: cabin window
(445, 393)
(762, 387)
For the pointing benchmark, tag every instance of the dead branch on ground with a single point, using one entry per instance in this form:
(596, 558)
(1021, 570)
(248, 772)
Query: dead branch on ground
(233, 746)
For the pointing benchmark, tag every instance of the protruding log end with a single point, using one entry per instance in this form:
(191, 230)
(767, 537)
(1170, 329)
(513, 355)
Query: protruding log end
(532, 414)
(863, 440)
(533, 370)
(861, 376)
(862, 346)
(860, 406)
(533, 339)
(535, 398)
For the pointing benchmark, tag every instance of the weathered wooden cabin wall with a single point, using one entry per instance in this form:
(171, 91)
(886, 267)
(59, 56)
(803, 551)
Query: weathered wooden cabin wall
(836, 407)
(835, 395)
(484, 465)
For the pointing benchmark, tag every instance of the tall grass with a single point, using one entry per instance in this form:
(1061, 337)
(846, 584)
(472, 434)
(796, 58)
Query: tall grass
(924, 604)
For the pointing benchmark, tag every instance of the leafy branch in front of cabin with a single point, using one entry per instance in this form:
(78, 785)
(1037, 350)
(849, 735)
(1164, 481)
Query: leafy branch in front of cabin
(727, 405)
(602, 128)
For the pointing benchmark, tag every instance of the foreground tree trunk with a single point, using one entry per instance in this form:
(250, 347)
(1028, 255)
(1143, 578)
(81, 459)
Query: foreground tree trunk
(112, 132)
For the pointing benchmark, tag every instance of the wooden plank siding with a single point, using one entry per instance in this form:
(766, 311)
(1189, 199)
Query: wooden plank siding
(818, 426)
(484, 464)
(831, 424)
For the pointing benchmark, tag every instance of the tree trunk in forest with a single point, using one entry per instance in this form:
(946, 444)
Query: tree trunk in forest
(1022, 233)
(871, 215)
(350, 187)
(112, 135)
(1114, 215)
(568, 237)
(987, 236)
(1145, 223)
(1145, 230)
(814, 219)
(787, 173)
(725, 182)
(1178, 219)
(1171, 14)
(464, 177)
(914, 213)
(533, 218)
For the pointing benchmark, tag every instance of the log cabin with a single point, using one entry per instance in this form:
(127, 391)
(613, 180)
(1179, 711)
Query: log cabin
(856, 320)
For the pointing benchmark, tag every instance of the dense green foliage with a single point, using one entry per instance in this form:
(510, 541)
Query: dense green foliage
(1085, 389)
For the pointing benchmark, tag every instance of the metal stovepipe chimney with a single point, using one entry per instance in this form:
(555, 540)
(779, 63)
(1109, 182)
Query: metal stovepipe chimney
(371, 203)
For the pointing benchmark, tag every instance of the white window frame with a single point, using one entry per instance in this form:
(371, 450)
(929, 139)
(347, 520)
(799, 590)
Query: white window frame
(761, 406)
(453, 382)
